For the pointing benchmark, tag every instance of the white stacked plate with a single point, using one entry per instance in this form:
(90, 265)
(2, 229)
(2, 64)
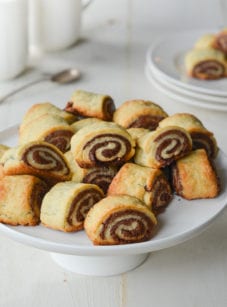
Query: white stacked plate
(165, 69)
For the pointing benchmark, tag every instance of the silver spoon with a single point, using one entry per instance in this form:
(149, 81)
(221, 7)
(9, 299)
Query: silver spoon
(62, 77)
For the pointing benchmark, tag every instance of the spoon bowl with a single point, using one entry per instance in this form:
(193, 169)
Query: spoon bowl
(66, 76)
(61, 77)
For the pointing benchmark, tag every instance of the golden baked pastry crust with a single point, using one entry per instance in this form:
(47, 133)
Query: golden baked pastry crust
(40, 109)
(194, 176)
(49, 128)
(206, 41)
(119, 220)
(147, 184)
(139, 114)
(102, 143)
(40, 159)
(76, 126)
(201, 137)
(89, 104)
(3, 149)
(136, 133)
(161, 147)
(185, 120)
(65, 206)
(205, 64)
(20, 199)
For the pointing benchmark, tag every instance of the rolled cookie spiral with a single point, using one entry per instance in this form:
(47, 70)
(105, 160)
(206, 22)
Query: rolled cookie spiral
(119, 220)
(40, 109)
(102, 144)
(194, 176)
(139, 114)
(201, 137)
(100, 175)
(37, 158)
(20, 199)
(49, 128)
(161, 147)
(89, 104)
(205, 64)
(66, 205)
(147, 184)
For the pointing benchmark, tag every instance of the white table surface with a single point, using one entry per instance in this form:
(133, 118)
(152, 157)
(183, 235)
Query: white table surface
(111, 55)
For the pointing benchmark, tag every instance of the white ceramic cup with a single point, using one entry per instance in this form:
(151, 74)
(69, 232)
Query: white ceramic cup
(13, 38)
(54, 25)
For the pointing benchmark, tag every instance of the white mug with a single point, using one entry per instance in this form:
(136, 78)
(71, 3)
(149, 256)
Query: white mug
(54, 25)
(13, 38)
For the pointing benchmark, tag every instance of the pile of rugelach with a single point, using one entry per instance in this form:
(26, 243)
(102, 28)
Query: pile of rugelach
(106, 170)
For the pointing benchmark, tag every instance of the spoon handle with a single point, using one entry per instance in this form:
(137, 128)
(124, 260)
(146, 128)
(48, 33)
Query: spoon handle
(2, 99)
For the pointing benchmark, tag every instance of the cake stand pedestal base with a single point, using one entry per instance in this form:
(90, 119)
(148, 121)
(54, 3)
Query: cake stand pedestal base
(99, 265)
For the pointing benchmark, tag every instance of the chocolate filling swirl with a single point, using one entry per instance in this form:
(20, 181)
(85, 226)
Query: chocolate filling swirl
(36, 197)
(61, 139)
(201, 140)
(176, 180)
(108, 108)
(127, 226)
(146, 121)
(107, 148)
(171, 145)
(70, 109)
(44, 158)
(211, 69)
(102, 177)
(161, 194)
(81, 204)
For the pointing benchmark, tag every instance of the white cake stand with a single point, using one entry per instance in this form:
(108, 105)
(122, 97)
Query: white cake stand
(181, 221)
